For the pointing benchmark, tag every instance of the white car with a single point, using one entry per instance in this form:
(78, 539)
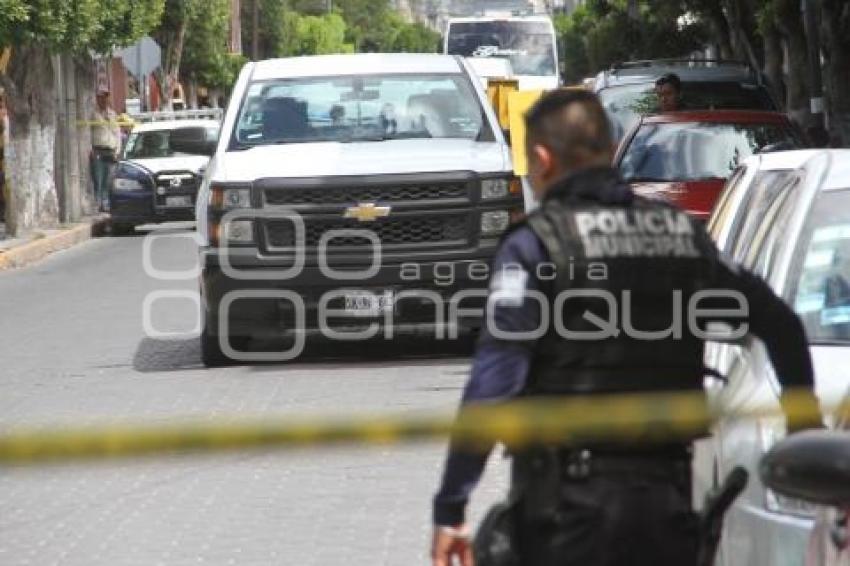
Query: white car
(786, 217)
(153, 181)
(390, 166)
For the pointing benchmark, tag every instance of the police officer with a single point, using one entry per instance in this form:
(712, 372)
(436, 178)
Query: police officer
(601, 249)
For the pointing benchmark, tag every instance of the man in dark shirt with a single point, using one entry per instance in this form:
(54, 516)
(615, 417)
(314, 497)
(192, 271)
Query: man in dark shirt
(668, 90)
(593, 236)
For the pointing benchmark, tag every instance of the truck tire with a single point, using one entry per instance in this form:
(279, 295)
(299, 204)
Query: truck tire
(121, 229)
(212, 354)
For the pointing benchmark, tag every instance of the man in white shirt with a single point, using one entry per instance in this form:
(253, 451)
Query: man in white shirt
(106, 143)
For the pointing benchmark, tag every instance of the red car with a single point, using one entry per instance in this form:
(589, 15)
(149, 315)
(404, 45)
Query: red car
(685, 157)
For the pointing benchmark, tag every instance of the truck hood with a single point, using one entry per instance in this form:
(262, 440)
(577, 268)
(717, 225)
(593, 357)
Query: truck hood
(326, 159)
(696, 197)
(193, 163)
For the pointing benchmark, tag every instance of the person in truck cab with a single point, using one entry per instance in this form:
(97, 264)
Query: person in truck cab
(668, 91)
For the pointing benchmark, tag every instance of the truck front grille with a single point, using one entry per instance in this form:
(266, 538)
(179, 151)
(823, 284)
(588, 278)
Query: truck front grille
(407, 230)
(170, 184)
(357, 194)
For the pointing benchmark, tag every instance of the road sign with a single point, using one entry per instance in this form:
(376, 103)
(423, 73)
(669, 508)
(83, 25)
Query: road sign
(142, 58)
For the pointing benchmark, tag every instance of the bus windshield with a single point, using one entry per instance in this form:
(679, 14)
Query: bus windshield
(530, 46)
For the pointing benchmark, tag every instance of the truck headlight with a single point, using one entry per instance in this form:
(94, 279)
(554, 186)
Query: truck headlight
(495, 222)
(128, 177)
(230, 198)
(500, 188)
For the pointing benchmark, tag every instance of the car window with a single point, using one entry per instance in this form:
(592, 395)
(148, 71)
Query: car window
(723, 208)
(624, 104)
(152, 144)
(766, 189)
(355, 108)
(770, 238)
(819, 280)
(692, 151)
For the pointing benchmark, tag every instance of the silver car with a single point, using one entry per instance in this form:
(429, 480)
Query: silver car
(786, 217)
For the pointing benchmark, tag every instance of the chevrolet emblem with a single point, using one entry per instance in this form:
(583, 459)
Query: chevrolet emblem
(367, 212)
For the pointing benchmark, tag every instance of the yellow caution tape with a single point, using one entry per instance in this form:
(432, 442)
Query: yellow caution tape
(121, 123)
(627, 418)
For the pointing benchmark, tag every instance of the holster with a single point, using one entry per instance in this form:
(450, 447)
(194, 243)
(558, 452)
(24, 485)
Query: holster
(536, 478)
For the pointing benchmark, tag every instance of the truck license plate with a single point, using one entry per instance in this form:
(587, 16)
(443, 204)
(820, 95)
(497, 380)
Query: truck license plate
(178, 201)
(362, 303)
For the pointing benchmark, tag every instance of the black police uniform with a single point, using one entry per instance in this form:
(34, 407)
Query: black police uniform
(626, 269)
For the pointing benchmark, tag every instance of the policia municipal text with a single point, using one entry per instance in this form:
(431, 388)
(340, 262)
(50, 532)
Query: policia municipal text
(601, 504)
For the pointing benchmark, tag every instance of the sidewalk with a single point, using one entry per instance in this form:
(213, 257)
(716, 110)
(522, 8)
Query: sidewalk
(19, 252)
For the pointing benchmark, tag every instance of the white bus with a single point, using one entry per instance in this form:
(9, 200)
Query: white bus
(527, 41)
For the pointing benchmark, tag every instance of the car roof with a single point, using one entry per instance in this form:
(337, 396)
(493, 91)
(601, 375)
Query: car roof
(158, 126)
(718, 116)
(838, 176)
(648, 71)
(500, 18)
(781, 160)
(355, 64)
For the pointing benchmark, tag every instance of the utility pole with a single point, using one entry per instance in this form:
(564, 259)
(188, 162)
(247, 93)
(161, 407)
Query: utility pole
(811, 10)
(255, 31)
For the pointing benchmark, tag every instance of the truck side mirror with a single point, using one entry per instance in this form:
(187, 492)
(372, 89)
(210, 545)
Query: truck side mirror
(811, 465)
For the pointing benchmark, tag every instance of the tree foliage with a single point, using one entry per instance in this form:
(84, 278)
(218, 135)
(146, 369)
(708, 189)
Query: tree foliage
(206, 54)
(59, 25)
(304, 27)
(600, 33)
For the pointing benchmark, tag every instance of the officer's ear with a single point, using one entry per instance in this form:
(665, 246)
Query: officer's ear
(543, 159)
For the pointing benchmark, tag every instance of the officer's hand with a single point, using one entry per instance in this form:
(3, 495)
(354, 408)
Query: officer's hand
(449, 542)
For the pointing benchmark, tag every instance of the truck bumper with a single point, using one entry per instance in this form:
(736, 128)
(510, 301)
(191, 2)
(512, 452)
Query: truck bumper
(446, 300)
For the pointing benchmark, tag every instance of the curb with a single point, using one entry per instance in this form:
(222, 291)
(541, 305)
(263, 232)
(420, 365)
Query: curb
(36, 250)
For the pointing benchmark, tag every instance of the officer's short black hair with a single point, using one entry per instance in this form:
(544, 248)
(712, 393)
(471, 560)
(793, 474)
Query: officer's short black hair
(571, 123)
(671, 79)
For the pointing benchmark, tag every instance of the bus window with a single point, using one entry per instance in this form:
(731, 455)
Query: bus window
(528, 44)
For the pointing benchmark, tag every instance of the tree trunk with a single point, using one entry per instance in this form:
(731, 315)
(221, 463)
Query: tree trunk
(773, 58)
(720, 26)
(836, 28)
(789, 21)
(31, 94)
(171, 66)
(85, 77)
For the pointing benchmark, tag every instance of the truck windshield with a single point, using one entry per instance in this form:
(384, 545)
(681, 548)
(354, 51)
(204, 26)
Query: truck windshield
(356, 108)
(530, 46)
(696, 151)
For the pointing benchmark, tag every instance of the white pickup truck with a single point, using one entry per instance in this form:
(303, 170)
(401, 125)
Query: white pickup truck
(349, 192)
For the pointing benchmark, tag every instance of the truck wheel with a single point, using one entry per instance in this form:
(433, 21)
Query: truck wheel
(121, 229)
(211, 353)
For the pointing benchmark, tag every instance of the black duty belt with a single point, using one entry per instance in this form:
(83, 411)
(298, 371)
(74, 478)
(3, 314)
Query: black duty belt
(579, 464)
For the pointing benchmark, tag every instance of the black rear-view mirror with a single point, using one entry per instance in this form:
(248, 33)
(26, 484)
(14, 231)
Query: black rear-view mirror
(812, 465)
(194, 141)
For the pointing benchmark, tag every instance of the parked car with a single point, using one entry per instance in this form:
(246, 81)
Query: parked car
(686, 157)
(410, 185)
(627, 89)
(786, 217)
(153, 181)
